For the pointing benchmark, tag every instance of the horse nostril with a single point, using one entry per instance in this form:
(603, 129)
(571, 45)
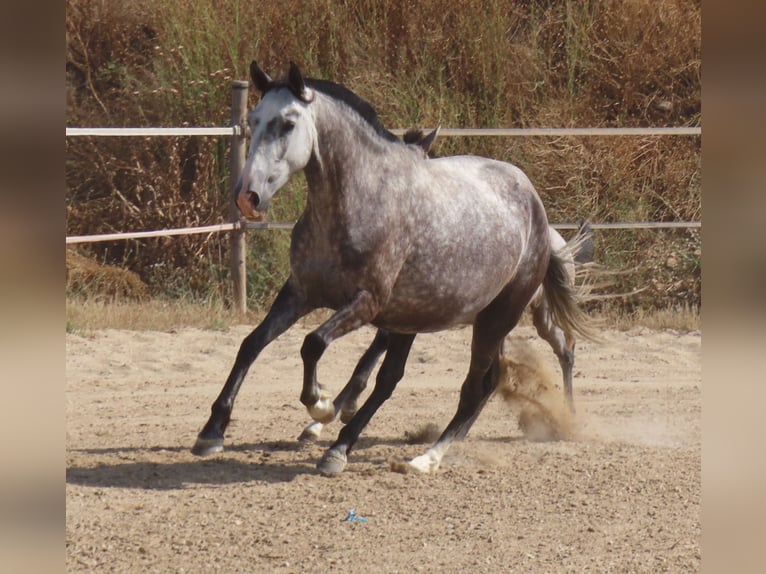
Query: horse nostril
(254, 199)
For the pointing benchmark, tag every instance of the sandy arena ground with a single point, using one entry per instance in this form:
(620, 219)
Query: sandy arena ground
(623, 496)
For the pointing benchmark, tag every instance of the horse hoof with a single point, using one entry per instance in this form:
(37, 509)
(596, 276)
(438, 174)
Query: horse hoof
(424, 464)
(332, 463)
(207, 446)
(311, 432)
(322, 411)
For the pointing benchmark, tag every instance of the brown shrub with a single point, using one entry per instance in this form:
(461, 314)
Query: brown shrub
(85, 275)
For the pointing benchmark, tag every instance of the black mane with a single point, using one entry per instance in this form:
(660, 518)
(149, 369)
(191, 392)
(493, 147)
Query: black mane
(343, 94)
(360, 106)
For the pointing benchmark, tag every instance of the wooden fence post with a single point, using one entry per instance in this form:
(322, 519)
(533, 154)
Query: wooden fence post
(237, 163)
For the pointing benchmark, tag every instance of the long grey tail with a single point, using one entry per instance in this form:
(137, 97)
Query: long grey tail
(564, 299)
(591, 278)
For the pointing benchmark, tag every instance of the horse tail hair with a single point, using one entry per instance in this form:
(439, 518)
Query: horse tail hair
(584, 238)
(564, 298)
(591, 277)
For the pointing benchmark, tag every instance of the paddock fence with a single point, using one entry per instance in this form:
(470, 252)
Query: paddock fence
(237, 131)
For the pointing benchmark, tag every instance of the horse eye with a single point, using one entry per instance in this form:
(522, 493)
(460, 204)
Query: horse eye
(288, 126)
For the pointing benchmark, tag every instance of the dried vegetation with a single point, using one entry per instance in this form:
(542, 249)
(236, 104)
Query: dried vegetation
(456, 63)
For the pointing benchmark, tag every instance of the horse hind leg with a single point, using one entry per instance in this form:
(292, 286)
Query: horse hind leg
(490, 328)
(562, 345)
(565, 312)
(346, 401)
(476, 390)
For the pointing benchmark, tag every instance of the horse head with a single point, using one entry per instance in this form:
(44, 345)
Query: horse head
(282, 138)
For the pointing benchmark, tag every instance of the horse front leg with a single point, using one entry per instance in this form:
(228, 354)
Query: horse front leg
(361, 310)
(391, 372)
(287, 308)
(346, 401)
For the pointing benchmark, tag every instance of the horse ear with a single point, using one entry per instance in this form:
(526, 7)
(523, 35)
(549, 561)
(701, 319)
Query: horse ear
(261, 79)
(429, 140)
(298, 85)
(412, 136)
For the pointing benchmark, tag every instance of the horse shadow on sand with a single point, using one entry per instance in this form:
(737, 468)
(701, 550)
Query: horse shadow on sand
(174, 467)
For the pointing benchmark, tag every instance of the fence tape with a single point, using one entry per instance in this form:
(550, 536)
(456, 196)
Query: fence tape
(158, 233)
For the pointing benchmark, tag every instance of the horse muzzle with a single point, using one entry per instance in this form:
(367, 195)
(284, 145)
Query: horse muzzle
(252, 206)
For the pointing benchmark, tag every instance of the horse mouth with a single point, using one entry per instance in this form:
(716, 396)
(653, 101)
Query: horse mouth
(251, 207)
(256, 216)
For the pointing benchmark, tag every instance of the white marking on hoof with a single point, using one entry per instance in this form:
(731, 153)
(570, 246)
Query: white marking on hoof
(425, 463)
(311, 432)
(322, 411)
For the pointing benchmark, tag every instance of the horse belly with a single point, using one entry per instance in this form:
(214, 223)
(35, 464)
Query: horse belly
(428, 317)
(431, 299)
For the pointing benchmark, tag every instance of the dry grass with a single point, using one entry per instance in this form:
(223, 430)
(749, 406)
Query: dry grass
(162, 314)
(154, 315)
(84, 275)
(167, 314)
(679, 318)
(541, 64)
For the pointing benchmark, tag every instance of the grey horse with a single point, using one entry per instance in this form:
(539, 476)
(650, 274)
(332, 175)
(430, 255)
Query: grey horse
(390, 238)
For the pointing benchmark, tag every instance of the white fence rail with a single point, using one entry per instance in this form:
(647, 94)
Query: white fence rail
(444, 132)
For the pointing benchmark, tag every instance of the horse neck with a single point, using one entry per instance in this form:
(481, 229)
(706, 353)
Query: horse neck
(345, 156)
